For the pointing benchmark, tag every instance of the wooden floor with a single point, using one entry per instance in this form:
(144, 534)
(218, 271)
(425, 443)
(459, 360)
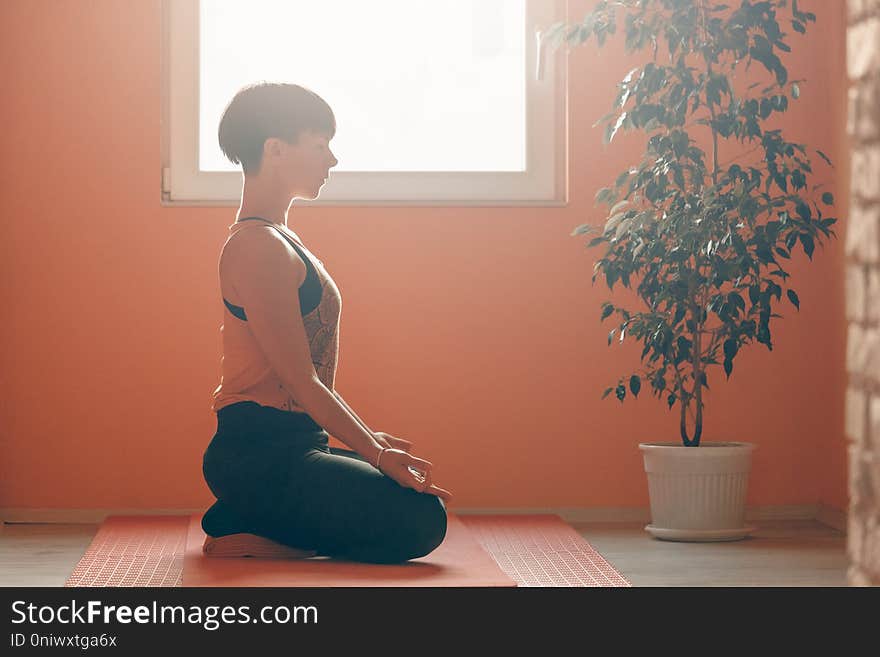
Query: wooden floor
(785, 553)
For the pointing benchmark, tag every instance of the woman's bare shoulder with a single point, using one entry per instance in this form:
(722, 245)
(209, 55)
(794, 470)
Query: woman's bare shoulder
(259, 246)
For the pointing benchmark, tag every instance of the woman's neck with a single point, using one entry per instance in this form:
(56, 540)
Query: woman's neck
(261, 198)
(242, 216)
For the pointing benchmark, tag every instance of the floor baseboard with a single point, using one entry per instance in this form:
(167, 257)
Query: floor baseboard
(643, 514)
(83, 516)
(834, 518)
(831, 517)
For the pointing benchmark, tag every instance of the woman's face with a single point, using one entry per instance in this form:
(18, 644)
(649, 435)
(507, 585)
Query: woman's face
(303, 167)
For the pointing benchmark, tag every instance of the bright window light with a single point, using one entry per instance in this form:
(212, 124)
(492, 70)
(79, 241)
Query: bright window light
(445, 102)
(416, 85)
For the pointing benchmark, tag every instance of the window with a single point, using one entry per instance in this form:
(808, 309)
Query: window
(436, 102)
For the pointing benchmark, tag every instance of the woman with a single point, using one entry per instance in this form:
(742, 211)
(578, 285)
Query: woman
(269, 464)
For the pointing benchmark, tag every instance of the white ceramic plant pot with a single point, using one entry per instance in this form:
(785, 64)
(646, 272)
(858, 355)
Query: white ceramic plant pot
(698, 493)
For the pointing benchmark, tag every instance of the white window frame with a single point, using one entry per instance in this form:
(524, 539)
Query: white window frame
(543, 183)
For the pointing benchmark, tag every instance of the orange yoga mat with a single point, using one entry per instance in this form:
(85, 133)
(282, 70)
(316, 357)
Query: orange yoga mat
(532, 550)
(458, 561)
(542, 550)
(133, 551)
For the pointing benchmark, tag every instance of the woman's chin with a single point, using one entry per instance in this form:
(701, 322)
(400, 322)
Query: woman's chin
(308, 196)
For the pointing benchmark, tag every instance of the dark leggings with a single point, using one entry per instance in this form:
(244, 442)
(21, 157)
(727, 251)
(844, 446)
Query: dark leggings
(275, 476)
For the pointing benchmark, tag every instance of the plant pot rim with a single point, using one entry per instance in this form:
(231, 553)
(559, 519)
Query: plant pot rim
(680, 446)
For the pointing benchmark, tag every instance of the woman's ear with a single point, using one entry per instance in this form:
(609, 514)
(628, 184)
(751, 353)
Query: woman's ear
(272, 147)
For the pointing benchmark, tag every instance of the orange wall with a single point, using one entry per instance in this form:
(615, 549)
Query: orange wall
(493, 366)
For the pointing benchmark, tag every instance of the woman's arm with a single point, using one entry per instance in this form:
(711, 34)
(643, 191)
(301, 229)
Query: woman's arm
(382, 438)
(332, 413)
(353, 414)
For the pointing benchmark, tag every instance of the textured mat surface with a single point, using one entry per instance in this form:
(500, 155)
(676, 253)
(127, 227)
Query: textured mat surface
(459, 561)
(533, 550)
(134, 551)
(542, 550)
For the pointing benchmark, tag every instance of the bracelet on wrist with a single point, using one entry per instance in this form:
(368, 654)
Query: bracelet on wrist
(379, 458)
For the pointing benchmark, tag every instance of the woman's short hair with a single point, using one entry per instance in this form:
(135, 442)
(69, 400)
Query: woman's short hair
(270, 109)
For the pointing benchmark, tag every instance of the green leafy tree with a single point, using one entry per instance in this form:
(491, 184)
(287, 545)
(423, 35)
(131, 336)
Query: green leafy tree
(705, 239)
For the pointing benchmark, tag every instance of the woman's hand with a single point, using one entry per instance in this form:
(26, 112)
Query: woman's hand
(387, 440)
(410, 472)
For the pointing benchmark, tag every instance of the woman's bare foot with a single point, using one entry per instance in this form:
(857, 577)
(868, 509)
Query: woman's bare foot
(251, 545)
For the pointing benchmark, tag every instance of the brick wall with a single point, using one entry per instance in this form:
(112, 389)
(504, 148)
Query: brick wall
(863, 293)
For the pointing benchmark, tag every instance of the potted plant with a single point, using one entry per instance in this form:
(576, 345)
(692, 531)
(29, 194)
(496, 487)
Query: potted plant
(706, 239)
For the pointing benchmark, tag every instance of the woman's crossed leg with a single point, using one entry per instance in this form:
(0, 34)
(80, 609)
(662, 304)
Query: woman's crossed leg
(336, 503)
